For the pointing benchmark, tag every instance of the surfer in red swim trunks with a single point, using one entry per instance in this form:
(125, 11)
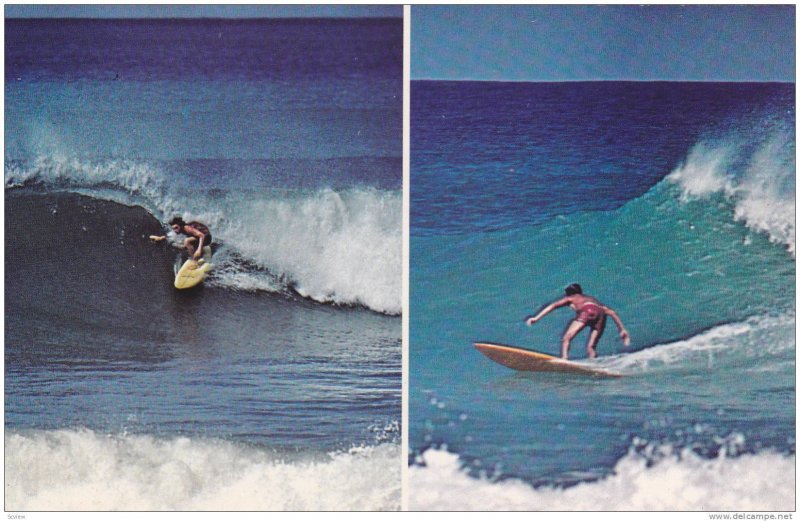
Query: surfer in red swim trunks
(589, 312)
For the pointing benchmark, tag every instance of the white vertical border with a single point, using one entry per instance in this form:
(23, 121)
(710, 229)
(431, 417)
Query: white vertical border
(406, 248)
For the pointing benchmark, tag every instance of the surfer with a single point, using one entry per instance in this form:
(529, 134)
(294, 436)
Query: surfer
(198, 234)
(589, 312)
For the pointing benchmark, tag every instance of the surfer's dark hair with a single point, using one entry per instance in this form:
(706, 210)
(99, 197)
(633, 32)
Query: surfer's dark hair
(177, 220)
(573, 289)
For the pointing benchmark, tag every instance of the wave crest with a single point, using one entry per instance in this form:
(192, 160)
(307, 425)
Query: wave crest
(760, 180)
(336, 246)
(332, 246)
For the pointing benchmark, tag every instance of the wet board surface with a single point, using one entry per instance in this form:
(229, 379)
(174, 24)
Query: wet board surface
(193, 272)
(528, 360)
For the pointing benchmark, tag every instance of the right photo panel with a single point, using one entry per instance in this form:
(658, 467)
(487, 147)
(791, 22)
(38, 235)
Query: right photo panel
(602, 258)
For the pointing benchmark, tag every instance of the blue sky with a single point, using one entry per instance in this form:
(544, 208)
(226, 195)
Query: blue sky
(618, 42)
(201, 11)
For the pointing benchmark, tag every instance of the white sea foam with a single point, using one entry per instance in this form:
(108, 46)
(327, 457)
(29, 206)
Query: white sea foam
(81, 470)
(343, 246)
(764, 202)
(682, 482)
(760, 183)
(762, 337)
(332, 246)
(703, 172)
(133, 178)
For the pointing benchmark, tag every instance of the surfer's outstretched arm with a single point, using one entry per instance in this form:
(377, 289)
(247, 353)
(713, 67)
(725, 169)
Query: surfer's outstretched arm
(547, 309)
(157, 238)
(623, 333)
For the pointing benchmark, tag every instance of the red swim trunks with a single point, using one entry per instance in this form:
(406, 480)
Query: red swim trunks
(591, 314)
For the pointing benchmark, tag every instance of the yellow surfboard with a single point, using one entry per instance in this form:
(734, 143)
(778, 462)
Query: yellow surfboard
(529, 360)
(193, 272)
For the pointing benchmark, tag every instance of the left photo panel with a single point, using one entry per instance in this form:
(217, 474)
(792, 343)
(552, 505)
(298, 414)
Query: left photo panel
(203, 258)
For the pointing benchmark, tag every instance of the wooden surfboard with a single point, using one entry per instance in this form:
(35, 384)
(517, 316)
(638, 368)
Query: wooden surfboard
(529, 360)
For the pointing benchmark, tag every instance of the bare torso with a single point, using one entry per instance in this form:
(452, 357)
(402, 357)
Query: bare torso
(576, 302)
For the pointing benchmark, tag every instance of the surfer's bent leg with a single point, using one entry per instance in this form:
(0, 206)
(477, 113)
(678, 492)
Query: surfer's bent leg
(594, 337)
(572, 330)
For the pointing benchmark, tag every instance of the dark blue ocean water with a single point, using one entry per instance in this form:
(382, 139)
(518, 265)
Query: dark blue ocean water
(285, 137)
(673, 203)
(203, 49)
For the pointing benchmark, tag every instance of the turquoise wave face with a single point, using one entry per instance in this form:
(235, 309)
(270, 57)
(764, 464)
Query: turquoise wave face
(670, 268)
